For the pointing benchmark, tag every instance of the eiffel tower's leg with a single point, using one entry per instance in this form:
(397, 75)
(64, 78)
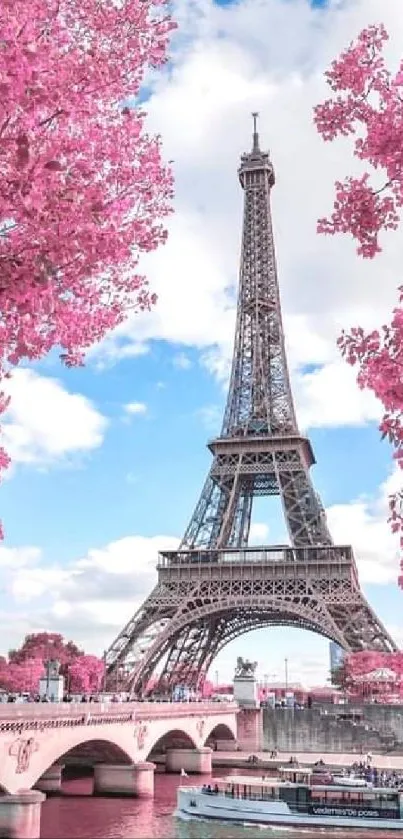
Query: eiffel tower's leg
(183, 655)
(236, 514)
(187, 656)
(206, 520)
(242, 516)
(361, 626)
(139, 634)
(222, 515)
(303, 510)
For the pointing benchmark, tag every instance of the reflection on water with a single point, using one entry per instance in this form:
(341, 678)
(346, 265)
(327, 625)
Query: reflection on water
(79, 816)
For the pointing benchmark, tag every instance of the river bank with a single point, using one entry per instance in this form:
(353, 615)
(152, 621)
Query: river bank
(240, 760)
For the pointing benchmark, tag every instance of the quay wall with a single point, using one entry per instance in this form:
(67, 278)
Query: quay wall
(326, 729)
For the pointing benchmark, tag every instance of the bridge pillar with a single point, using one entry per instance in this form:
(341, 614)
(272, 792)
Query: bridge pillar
(51, 780)
(250, 729)
(193, 761)
(20, 814)
(136, 779)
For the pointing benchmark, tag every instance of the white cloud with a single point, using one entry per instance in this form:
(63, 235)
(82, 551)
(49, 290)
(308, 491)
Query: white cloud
(135, 408)
(363, 523)
(45, 422)
(182, 361)
(89, 599)
(259, 533)
(329, 396)
(227, 62)
(31, 583)
(18, 557)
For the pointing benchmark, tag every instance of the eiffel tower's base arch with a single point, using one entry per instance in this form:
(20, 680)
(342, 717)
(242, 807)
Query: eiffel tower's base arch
(191, 643)
(205, 599)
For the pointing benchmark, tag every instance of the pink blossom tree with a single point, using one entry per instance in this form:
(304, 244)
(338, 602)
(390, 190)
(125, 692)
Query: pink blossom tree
(367, 102)
(45, 646)
(3, 673)
(21, 673)
(86, 674)
(83, 188)
(24, 677)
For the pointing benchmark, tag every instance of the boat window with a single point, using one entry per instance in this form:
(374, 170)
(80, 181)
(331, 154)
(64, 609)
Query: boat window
(384, 802)
(253, 792)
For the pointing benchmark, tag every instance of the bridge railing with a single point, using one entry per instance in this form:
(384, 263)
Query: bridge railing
(36, 716)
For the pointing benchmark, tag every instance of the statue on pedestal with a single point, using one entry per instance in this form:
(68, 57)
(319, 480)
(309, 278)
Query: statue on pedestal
(245, 668)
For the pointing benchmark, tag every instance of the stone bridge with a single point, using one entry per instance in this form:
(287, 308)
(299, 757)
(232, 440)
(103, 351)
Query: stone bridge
(36, 740)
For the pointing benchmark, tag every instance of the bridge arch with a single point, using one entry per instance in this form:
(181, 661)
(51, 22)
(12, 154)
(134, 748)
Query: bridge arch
(174, 738)
(116, 747)
(95, 751)
(221, 731)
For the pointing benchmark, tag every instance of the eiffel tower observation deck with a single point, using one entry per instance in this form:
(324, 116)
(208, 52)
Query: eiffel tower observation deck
(214, 587)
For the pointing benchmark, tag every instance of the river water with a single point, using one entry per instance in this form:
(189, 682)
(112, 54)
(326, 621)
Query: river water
(75, 814)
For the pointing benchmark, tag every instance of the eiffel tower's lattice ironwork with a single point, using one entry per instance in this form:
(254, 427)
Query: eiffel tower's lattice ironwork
(215, 587)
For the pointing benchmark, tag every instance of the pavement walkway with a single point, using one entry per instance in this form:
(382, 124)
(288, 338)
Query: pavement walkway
(309, 758)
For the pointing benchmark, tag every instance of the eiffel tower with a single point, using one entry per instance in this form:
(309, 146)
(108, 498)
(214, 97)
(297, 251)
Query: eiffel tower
(214, 587)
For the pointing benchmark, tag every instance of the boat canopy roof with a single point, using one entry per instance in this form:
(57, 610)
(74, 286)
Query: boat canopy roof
(270, 783)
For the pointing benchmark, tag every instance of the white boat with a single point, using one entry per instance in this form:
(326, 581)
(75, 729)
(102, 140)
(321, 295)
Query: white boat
(297, 802)
(349, 781)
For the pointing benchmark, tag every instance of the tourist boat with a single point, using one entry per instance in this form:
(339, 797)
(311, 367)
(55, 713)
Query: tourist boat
(293, 800)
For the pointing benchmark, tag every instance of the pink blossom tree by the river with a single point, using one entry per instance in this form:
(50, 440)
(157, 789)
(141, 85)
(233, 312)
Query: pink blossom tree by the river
(83, 188)
(46, 646)
(85, 674)
(21, 673)
(24, 677)
(367, 102)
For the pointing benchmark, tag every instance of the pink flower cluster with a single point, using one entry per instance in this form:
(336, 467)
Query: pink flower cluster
(85, 674)
(83, 188)
(369, 104)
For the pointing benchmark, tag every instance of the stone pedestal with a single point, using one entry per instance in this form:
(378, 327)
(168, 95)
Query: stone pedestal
(136, 779)
(192, 761)
(246, 691)
(51, 780)
(20, 815)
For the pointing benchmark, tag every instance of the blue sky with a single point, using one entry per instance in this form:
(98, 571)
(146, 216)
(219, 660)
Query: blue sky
(109, 460)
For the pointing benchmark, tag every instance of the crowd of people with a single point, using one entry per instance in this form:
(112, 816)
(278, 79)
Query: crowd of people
(98, 697)
(385, 778)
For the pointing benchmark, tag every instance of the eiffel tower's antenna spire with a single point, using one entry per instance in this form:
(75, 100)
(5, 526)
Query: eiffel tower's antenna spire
(256, 147)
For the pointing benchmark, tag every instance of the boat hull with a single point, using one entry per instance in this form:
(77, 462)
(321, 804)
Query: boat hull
(193, 804)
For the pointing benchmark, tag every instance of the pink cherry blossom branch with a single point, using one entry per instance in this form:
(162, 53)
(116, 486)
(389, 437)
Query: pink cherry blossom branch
(369, 104)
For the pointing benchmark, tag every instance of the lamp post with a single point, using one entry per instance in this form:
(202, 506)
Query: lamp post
(286, 673)
(104, 673)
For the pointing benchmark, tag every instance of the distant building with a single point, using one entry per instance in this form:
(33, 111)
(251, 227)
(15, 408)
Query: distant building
(337, 655)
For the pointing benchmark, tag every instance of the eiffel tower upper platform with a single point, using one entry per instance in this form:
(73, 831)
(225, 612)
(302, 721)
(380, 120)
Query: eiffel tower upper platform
(215, 587)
